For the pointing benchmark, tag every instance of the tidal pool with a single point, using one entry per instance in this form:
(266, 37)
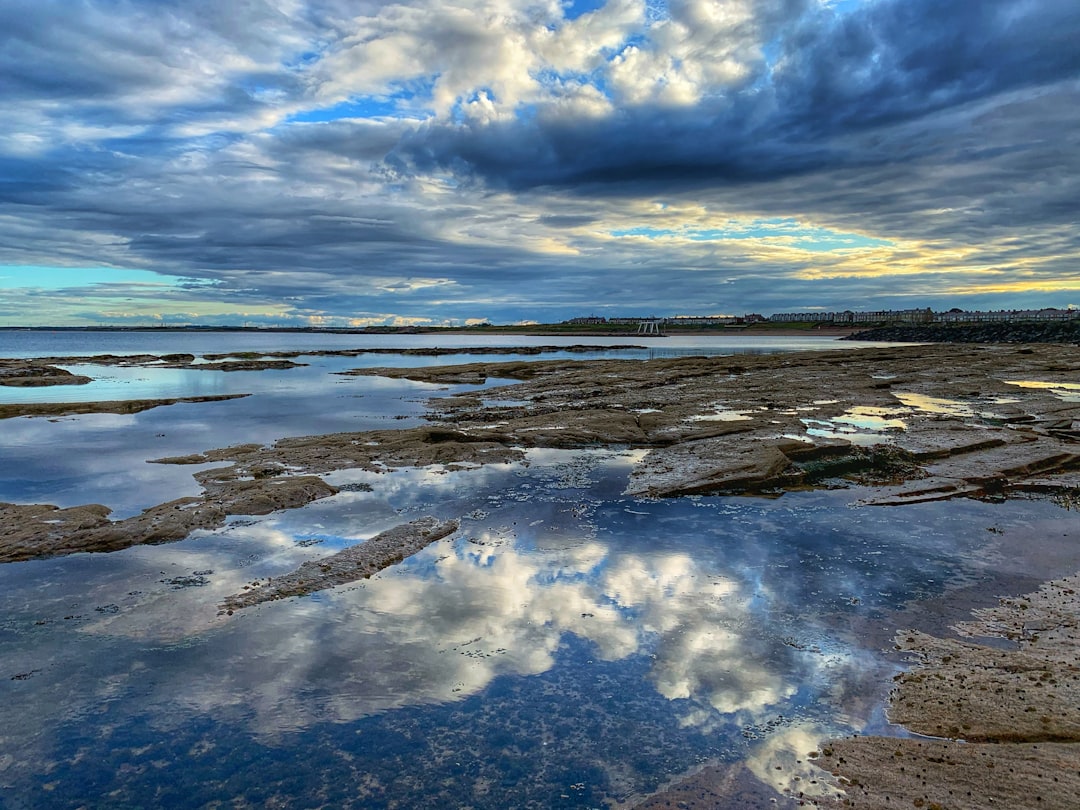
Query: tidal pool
(568, 647)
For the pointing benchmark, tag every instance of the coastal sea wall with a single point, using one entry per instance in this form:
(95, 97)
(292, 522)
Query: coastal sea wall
(1023, 332)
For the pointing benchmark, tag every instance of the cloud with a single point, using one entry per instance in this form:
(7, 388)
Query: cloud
(311, 158)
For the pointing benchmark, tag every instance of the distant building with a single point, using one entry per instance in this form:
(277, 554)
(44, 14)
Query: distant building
(590, 320)
(846, 317)
(635, 320)
(850, 317)
(925, 316)
(701, 320)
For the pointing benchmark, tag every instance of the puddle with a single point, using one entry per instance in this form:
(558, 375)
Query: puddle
(862, 425)
(1070, 392)
(870, 418)
(505, 403)
(927, 404)
(721, 415)
(949, 407)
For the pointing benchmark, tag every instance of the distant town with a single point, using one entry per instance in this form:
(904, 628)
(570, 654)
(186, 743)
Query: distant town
(644, 324)
(845, 318)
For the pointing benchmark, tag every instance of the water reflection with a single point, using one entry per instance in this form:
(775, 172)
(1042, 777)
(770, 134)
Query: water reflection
(104, 458)
(566, 636)
(861, 425)
(1070, 392)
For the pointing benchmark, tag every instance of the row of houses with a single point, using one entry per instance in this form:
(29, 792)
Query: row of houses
(926, 316)
(848, 316)
(677, 320)
(912, 316)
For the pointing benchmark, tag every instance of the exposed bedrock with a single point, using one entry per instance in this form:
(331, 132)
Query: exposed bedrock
(34, 374)
(31, 531)
(1016, 709)
(349, 565)
(954, 421)
(42, 371)
(945, 421)
(120, 406)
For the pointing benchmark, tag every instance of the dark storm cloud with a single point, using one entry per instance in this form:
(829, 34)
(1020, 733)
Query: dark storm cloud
(889, 63)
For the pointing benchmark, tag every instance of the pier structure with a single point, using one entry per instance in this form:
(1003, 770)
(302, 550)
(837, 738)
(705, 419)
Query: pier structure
(653, 327)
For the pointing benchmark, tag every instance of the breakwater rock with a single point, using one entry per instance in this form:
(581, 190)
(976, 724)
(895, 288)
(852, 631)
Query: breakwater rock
(1021, 332)
(121, 406)
(36, 374)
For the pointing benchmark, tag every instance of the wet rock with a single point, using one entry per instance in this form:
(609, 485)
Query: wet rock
(943, 440)
(357, 562)
(1012, 460)
(34, 373)
(707, 429)
(470, 373)
(723, 464)
(33, 531)
(1017, 710)
(879, 773)
(244, 365)
(8, 411)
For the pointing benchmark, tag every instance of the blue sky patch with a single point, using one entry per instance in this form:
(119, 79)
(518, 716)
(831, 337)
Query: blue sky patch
(24, 276)
(806, 237)
(369, 107)
(578, 8)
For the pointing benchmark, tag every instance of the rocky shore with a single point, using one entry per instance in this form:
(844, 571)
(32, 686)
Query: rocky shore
(1002, 726)
(39, 372)
(8, 411)
(32, 531)
(908, 424)
(914, 423)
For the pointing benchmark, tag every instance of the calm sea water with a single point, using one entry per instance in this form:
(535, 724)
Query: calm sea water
(22, 343)
(568, 647)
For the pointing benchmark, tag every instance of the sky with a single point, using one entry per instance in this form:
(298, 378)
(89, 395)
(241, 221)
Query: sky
(352, 163)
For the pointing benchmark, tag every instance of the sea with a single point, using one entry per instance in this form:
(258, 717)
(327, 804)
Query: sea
(570, 646)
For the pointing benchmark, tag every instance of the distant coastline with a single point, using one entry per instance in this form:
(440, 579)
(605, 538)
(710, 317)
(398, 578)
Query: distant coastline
(994, 332)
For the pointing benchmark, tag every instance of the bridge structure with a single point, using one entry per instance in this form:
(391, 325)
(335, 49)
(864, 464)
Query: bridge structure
(654, 326)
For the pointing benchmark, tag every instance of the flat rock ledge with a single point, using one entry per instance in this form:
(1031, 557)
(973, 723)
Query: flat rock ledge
(958, 419)
(1005, 722)
(120, 406)
(354, 563)
(31, 374)
(977, 421)
(38, 530)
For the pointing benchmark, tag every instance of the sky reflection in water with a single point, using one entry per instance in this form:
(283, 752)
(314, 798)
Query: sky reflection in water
(567, 646)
